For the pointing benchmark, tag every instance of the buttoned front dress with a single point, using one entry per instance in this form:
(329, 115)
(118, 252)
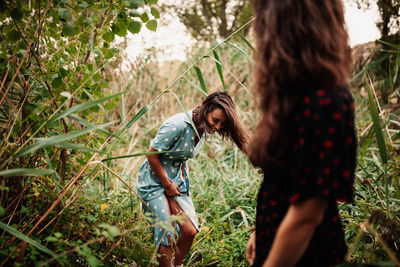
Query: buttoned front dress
(176, 138)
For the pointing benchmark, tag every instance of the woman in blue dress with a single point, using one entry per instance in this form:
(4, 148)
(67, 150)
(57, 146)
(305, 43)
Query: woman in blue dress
(163, 180)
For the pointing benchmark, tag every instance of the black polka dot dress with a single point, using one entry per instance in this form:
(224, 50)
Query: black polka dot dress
(319, 162)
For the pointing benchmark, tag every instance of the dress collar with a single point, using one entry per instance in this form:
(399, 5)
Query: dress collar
(190, 113)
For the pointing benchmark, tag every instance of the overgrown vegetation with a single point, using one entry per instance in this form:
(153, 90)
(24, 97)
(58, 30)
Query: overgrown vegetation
(74, 127)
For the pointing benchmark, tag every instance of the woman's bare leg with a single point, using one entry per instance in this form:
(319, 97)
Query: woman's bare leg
(188, 232)
(165, 252)
(165, 257)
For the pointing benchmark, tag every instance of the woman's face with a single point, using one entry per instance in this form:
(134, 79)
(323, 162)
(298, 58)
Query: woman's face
(215, 120)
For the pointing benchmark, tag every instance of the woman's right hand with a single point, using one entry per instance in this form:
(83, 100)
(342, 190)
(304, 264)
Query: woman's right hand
(173, 190)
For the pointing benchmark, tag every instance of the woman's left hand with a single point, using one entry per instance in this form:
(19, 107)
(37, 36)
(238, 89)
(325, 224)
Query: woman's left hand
(173, 190)
(251, 248)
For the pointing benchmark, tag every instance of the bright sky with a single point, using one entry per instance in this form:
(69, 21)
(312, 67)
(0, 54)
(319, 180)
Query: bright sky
(172, 41)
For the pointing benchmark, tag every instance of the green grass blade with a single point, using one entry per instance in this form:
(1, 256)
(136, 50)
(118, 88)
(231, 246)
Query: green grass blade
(54, 140)
(397, 47)
(201, 79)
(26, 172)
(84, 106)
(92, 126)
(69, 145)
(245, 41)
(123, 109)
(396, 69)
(241, 51)
(135, 155)
(371, 65)
(141, 112)
(230, 73)
(219, 69)
(376, 123)
(23, 237)
(195, 86)
(56, 177)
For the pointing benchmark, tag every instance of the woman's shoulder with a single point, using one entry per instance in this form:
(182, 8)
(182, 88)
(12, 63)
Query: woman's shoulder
(326, 99)
(177, 121)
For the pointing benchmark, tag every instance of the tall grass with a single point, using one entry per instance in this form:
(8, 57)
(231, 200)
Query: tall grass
(96, 219)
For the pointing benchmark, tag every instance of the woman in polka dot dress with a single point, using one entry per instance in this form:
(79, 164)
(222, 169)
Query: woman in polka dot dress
(305, 142)
(163, 181)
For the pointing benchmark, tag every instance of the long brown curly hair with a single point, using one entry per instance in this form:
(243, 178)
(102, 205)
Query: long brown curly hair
(232, 127)
(301, 46)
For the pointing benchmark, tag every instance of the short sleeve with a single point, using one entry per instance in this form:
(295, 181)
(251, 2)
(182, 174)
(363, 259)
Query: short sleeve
(167, 135)
(325, 151)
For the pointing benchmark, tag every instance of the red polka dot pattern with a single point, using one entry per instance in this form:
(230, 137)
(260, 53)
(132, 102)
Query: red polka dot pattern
(319, 162)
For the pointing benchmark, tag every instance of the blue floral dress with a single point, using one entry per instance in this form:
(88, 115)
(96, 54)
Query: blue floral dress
(176, 138)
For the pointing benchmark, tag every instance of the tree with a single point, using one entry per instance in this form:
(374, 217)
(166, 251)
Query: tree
(56, 58)
(207, 19)
(389, 11)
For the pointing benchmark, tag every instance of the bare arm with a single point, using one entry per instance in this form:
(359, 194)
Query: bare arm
(171, 189)
(295, 232)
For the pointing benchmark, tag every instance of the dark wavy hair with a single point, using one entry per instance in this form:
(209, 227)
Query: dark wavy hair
(232, 128)
(302, 45)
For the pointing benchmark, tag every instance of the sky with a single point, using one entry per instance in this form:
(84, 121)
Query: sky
(173, 40)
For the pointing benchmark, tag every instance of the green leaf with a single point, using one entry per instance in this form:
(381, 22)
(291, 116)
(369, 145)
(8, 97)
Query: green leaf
(122, 28)
(26, 172)
(201, 80)
(83, 5)
(88, 21)
(134, 13)
(56, 82)
(16, 14)
(219, 69)
(133, 4)
(152, 25)
(377, 123)
(2, 211)
(69, 145)
(64, 14)
(137, 155)
(108, 37)
(152, 2)
(144, 17)
(92, 261)
(245, 41)
(92, 126)
(241, 51)
(68, 29)
(373, 64)
(54, 140)
(109, 106)
(115, 28)
(84, 106)
(13, 35)
(134, 26)
(141, 112)
(230, 73)
(58, 234)
(51, 239)
(155, 13)
(23, 237)
(97, 77)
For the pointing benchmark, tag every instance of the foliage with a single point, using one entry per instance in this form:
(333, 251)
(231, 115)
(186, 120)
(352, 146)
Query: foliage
(56, 60)
(208, 20)
(389, 12)
(58, 116)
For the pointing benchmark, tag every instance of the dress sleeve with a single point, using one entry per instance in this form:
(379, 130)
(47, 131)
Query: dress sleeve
(324, 154)
(167, 135)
